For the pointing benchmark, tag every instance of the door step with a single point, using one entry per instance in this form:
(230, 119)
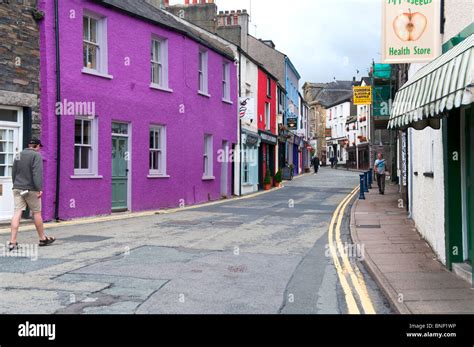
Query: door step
(464, 271)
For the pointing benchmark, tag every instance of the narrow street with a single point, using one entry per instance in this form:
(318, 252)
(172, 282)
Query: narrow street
(265, 254)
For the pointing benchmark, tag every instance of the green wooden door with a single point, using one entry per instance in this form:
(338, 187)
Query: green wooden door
(119, 173)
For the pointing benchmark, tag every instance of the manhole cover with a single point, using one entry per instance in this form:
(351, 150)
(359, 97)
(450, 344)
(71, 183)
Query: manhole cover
(86, 238)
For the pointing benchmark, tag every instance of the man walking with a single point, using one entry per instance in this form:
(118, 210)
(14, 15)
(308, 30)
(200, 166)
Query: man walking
(316, 164)
(27, 191)
(379, 169)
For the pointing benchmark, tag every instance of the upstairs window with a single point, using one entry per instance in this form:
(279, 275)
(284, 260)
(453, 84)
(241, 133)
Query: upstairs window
(267, 116)
(159, 63)
(226, 81)
(202, 71)
(269, 87)
(94, 44)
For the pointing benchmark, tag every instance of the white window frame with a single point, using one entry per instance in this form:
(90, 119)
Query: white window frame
(161, 148)
(208, 157)
(102, 57)
(93, 146)
(203, 76)
(226, 82)
(269, 87)
(268, 119)
(160, 61)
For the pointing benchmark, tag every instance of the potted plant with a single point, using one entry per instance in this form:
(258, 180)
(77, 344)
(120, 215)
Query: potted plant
(267, 182)
(278, 179)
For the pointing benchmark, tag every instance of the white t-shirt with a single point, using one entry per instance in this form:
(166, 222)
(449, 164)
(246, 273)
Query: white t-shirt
(380, 164)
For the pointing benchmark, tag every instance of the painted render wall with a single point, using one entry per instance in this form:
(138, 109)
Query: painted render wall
(128, 97)
(430, 191)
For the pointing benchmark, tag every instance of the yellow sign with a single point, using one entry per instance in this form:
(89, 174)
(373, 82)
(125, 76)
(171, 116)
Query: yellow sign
(362, 95)
(410, 31)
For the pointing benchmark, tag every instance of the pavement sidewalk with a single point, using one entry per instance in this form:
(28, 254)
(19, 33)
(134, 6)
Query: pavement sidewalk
(402, 262)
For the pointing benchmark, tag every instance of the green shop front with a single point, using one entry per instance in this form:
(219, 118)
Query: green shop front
(440, 96)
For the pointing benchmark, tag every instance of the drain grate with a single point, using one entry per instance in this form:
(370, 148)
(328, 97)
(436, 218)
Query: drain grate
(85, 238)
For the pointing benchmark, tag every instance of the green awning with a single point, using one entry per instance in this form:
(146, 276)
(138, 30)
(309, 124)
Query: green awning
(445, 83)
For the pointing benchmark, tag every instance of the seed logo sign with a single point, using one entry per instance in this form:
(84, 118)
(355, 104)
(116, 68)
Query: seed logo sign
(411, 31)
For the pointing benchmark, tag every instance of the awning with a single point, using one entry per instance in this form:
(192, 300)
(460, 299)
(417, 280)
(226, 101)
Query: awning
(440, 86)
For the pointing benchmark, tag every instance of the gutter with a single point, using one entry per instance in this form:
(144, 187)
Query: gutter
(58, 119)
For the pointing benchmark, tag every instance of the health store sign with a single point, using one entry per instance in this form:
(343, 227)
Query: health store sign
(410, 31)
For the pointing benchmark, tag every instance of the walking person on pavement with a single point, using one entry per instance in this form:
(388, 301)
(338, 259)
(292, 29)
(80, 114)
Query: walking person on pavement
(316, 164)
(27, 178)
(380, 167)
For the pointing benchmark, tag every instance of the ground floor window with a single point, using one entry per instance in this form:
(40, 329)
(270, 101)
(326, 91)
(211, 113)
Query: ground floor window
(85, 146)
(208, 157)
(157, 150)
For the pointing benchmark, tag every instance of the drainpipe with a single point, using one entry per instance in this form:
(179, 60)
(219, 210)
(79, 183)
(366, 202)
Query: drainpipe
(410, 176)
(240, 123)
(58, 118)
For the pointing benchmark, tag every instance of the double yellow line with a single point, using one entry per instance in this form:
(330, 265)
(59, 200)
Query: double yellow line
(345, 271)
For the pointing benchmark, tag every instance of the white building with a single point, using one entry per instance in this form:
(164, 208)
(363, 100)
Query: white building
(337, 115)
(440, 150)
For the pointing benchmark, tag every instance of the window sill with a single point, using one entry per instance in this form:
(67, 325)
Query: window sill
(208, 178)
(96, 73)
(227, 101)
(158, 176)
(87, 177)
(158, 87)
(204, 94)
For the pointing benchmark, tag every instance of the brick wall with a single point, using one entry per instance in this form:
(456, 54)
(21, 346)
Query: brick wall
(20, 57)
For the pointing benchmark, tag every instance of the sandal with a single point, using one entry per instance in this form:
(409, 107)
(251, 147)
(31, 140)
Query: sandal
(47, 242)
(12, 246)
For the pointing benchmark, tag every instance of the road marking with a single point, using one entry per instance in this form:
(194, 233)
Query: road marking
(357, 279)
(349, 296)
(335, 243)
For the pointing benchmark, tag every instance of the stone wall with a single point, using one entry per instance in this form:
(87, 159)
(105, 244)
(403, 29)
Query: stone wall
(20, 57)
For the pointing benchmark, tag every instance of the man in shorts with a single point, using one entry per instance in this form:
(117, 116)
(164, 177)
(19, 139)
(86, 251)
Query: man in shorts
(27, 191)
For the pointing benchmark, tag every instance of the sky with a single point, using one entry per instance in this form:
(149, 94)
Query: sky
(325, 39)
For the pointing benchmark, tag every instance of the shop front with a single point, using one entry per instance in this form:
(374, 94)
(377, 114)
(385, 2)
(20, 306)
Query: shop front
(440, 96)
(250, 160)
(267, 155)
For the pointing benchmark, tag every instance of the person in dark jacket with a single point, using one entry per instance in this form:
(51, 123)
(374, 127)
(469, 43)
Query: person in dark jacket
(27, 178)
(316, 164)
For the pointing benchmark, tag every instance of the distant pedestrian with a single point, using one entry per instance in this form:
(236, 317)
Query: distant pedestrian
(335, 162)
(380, 167)
(331, 160)
(27, 178)
(316, 164)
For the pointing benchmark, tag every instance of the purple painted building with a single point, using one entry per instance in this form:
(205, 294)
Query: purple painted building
(147, 110)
